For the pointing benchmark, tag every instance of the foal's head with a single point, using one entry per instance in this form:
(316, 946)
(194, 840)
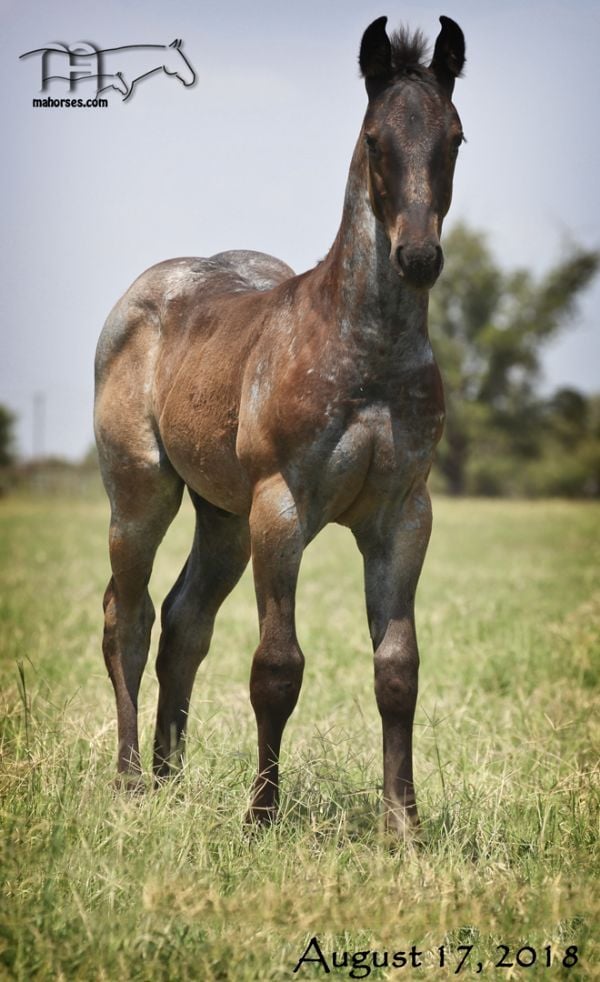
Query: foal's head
(412, 133)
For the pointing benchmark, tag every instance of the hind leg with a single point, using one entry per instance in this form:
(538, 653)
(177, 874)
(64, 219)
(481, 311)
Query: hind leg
(219, 555)
(144, 501)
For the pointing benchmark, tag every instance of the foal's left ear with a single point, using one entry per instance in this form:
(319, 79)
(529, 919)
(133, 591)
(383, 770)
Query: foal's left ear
(375, 58)
(449, 54)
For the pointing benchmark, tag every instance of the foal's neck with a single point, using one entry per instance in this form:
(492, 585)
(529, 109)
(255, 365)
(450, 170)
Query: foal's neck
(372, 302)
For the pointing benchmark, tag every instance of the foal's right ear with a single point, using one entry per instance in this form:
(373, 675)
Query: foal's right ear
(375, 58)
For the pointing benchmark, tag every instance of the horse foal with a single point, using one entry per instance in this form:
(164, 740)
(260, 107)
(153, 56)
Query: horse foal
(286, 402)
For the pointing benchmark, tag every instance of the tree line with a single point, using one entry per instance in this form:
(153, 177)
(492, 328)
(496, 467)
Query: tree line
(488, 328)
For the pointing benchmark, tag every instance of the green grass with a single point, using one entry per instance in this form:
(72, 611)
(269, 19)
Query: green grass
(168, 885)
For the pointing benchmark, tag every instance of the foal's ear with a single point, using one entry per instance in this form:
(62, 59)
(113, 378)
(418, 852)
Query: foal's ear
(449, 54)
(375, 58)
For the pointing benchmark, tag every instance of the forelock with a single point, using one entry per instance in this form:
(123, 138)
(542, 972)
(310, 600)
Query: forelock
(409, 50)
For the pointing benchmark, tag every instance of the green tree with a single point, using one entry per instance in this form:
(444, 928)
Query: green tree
(569, 461)
(488, 328)
(7, 438)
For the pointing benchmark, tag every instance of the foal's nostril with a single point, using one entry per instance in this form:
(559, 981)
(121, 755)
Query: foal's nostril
(420, 264)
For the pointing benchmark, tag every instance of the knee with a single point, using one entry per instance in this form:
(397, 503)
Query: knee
(396, 678)
(276, 677)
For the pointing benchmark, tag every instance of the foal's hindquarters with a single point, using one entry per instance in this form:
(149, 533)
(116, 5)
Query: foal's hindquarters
(133, 373)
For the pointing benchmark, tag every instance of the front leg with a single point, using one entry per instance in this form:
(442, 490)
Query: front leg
(393, 542)
(276, 677)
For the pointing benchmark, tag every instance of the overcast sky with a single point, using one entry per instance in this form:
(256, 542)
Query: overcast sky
(255, 155)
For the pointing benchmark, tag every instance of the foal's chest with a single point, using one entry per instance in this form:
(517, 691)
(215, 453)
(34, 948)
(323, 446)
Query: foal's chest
(401, 443)
(404, 424)
(383, 448)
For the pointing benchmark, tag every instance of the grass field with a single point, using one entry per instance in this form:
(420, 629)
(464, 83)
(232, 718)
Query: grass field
(168, 885)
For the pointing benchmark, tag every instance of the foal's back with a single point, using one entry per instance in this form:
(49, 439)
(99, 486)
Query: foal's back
(170, 296)
(170, 359)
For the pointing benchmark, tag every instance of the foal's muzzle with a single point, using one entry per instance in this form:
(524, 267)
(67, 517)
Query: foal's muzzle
(419, 265)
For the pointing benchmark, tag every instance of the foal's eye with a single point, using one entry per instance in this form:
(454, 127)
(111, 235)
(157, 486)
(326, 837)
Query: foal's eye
(371, 143)
(457, 142)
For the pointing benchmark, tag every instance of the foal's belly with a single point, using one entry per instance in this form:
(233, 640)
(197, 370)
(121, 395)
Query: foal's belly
(198, 431)
(210, 468)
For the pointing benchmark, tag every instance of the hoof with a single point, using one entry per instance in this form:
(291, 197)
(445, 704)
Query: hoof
(261, 816)
(403, 828)
(166, 776)
(129, 783)
(166, 766)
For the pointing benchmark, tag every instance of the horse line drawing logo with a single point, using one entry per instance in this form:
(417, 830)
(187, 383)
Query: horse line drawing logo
(120, 68)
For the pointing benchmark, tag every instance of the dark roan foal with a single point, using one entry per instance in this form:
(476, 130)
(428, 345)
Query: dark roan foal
(286, 402)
